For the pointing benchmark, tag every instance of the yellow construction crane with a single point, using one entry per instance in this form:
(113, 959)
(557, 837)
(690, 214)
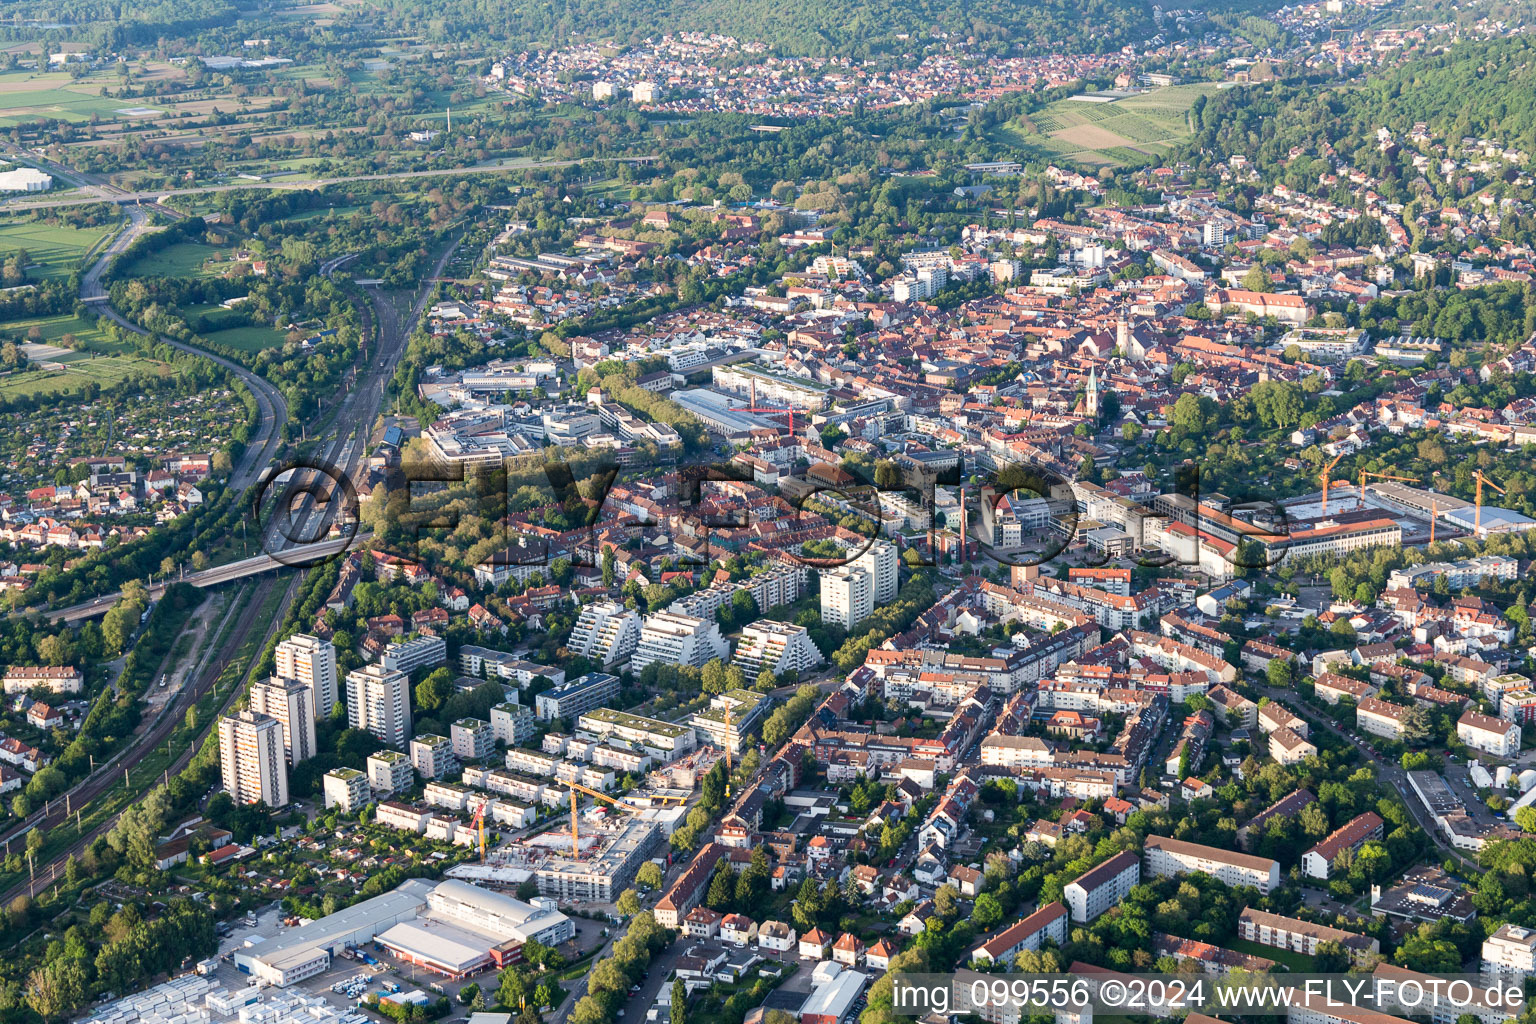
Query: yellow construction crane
(1477, 521)
(1364, 476)
(1327, 470)
(479, 826)
(615, 801)
(727, 748)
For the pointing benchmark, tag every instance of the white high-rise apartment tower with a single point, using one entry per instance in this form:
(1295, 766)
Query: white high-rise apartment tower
(880, 561)
(292, 703)
(251, 758)
(311, 661)
(847, 596)
(379, 702)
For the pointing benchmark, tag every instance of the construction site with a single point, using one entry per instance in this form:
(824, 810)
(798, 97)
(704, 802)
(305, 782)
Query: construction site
(593, 856)
(1425, 516)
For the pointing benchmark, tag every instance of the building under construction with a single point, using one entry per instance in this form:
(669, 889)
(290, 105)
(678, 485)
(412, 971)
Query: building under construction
(612, 848)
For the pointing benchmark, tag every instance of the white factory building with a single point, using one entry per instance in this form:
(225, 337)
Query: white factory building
(306, 951)
(464, 923)
(449, 927)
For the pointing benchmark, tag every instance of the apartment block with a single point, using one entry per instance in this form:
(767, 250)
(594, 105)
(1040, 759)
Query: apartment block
(379, 703)
(472, 739)
(390, 771)
(1101, 887)
(777, 646)
(1496, 736)
(1511, 950)
(1379, 718)
(675, 639)
(1279, 932)
(432, 756)
(418, 652)
(513, 723)
(346, 788)
(291, 702)
(663, 740)
(1318, 861)
(881, 562)
(312, 661)
(252, 760)
(1047, 923)
(730, 717)
(847, 596)
(1167, 856)
(605, 633)
(577, 697)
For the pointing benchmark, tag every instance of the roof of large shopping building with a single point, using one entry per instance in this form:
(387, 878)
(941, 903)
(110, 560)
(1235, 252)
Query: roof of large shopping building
(408, 898)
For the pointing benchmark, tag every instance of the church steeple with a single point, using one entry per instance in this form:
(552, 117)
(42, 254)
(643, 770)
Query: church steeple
(1091, 398)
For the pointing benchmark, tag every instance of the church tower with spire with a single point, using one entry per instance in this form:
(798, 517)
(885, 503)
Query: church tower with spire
(1091, 397)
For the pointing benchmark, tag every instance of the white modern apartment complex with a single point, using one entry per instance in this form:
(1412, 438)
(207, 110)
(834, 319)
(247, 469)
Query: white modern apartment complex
(417, 652)
(664, 740)
(678, 640)
(311, 661)
(576, 697)
(1103, 886)
(291, 702)
(432, 755)
(730, 717)
(847, 596)
(512, 723)
(473, 739)
(605, 633)
(251, 758)
(1510, 950)
(390, 771)
(379, 702)
(1167, 856)
(777, 646)
(346, 788)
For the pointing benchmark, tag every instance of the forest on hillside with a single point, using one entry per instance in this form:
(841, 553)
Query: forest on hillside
(854, 28)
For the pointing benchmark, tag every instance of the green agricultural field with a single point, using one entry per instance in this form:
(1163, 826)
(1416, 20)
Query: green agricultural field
(53, 328)
(1126, 132)
(25, 97)
(248, 339)
(55, 251)
(183, 259)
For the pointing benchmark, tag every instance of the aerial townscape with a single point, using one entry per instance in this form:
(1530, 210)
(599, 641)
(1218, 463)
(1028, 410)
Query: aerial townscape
(602, 513)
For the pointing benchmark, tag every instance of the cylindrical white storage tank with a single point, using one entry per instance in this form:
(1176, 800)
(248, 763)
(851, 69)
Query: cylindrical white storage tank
(1480, 777)
(1528, 780)
(1501, 777)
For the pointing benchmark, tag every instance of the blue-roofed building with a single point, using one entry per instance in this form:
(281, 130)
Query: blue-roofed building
(1494, 520)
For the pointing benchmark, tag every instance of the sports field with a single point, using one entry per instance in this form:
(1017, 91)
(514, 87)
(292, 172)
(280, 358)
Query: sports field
(1125, 132)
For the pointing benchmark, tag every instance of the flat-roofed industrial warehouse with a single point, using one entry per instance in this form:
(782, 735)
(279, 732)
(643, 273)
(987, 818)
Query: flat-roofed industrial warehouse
(307, 950)
(451, 927)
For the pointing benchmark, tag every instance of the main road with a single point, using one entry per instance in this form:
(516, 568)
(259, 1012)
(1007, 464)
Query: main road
(344, 449)
(271, 406)
(113, 194)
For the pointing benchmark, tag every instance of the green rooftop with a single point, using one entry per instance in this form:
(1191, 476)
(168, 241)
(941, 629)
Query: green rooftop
(608, 716)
